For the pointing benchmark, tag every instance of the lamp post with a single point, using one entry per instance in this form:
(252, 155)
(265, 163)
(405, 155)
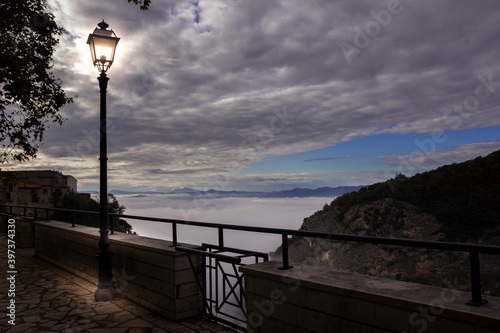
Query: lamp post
(102, 48)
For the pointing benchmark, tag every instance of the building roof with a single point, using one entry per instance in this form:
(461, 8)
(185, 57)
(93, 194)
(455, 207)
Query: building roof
(28, 185)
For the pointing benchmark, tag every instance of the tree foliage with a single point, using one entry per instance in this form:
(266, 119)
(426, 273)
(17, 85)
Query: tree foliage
(30, 95)
(143, 3)
(78, 202)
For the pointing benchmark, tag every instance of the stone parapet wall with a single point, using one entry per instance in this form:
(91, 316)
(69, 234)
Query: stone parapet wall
(24, 229)
(313, 299)
(145, 270)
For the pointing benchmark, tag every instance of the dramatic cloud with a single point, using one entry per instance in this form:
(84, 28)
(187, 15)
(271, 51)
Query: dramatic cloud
(202, 90)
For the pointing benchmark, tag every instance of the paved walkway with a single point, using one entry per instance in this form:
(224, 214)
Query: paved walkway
(49, 299)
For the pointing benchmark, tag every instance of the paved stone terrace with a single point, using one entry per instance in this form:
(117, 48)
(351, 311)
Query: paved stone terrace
(49, 299)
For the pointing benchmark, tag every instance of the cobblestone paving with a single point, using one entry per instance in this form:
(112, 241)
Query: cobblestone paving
(49, 299)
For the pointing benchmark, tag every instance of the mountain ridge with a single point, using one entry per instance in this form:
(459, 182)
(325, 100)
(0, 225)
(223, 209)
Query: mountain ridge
(296, 192)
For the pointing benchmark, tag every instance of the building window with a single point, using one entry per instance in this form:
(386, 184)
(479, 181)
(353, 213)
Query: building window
(34, 196)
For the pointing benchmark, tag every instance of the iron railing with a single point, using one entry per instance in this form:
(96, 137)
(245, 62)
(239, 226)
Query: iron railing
(473, 249)
(222, 284)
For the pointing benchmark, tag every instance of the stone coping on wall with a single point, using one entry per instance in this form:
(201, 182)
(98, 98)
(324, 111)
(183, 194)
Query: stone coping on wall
(151, 244)
(294, 284)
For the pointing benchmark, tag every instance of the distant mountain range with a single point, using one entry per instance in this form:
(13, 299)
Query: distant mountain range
(186, 193)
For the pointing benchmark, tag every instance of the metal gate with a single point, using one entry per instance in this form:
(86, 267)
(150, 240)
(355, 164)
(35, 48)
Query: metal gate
(221, 283)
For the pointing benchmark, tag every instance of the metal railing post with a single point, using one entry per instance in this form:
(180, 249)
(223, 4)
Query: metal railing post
(475, 279)
(174, 234)
(111, 226)
(284, 251)
(221, 239)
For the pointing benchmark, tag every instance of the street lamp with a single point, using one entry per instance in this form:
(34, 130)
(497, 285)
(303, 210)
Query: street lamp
(102, 44)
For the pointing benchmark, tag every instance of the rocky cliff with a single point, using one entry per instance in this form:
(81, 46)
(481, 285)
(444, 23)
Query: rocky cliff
(380, 210)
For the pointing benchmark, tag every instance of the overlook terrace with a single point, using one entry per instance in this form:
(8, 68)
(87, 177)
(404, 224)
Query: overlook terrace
(262, 314)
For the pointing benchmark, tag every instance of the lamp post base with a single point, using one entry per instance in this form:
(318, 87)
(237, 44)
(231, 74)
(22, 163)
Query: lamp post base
(106, 290)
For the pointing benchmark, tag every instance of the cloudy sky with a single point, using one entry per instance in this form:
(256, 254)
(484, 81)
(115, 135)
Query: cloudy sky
(268, 94)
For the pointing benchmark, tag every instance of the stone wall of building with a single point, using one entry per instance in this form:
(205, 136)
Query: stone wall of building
(145, 270)
(313, 299)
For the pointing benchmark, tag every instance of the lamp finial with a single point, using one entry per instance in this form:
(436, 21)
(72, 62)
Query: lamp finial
(103, 25)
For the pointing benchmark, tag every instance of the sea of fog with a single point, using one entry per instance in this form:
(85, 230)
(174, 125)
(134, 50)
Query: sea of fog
(285, 213)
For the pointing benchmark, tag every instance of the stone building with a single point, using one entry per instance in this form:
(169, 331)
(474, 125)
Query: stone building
(42, 188)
